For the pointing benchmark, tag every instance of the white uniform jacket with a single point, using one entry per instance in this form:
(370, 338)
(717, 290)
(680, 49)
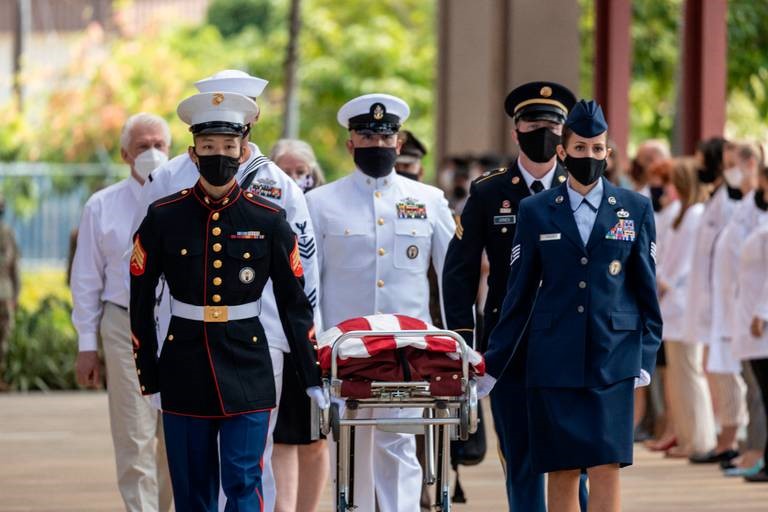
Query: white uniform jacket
(270, 182)
(752, 293)
(375, 239)
(698, 311)
(675, 258)
(746, 217)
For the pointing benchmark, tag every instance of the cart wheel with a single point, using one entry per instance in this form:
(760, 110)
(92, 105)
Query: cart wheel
(445, 502)
(325, 414)
(464, 421)
(473, 407)
(335, 421)
(341, 505)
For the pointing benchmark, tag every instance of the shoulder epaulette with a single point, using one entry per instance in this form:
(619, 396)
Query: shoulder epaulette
(178, 196)
(491, 174)
(259, 201)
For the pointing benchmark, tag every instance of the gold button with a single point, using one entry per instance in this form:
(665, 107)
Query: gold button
(215, 216)
(138, 372)
(183, 252)
(184, 192)
(216, 298)
(143, 388)
(377, 194)
(503, 230)
(317, 363)
(207, 201)
(216, 281)
(170, 337)
(380, 283)
(438, 378)
(216, 231)
(381, 221)
(225, 201)
(246, 255)
(455, 377)
(217, 247)
(382, 252)
(216, 263)
(248, 194)
(255, 339)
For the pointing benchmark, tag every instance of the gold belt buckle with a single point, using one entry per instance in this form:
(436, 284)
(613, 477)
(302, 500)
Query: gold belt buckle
(215, 314)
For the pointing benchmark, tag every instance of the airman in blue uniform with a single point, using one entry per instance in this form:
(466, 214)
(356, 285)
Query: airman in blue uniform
(582, 306)
(488, 223)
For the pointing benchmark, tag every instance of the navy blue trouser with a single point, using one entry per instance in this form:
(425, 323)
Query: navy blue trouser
(193, 460)
(525, 489)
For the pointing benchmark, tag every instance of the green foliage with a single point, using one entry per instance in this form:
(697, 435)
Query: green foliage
(656, 44)
(43, 347)
(343, 52)
(232, 16)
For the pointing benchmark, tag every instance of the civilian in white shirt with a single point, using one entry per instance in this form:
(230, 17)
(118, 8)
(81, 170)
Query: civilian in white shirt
(693, 429)
(100, 296)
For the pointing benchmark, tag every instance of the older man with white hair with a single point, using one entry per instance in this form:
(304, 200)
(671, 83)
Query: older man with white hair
(100, 311)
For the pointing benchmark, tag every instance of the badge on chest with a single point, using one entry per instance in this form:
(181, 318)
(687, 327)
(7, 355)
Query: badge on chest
(266, 187)
(623, 230)
(410, 208)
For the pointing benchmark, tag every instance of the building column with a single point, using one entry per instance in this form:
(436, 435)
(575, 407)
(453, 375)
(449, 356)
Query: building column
(703, 95)
(485, 49)
(613, 68)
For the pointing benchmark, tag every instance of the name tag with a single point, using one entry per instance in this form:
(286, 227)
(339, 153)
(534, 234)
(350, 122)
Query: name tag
(549, 236)
(504, 219)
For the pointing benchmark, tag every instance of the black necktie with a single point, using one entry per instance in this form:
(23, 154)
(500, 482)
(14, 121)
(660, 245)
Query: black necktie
(537, 186)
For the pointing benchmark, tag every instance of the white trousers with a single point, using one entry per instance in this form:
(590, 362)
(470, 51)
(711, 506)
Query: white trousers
(267, 477)
(693, 417)
(387, 471)
(137, 427)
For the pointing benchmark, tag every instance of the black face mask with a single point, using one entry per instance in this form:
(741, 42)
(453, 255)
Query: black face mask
(217, 170)
(585, 170)
(656, 193)
(734, 193)
(538, 145)
(760, 200)
(375, 161)
(414, 177)
(707, 175)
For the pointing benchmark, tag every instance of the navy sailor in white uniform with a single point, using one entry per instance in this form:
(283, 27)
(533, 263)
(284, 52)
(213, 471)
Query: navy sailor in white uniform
(582, 305)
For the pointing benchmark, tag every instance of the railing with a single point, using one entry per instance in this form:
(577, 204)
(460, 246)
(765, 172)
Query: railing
(44, 203)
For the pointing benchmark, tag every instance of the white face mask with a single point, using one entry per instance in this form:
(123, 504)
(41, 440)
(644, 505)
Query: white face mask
(733, 177)
(306, 182)
(148, 161)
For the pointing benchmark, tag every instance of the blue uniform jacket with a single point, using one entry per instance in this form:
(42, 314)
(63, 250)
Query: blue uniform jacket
(588, 316)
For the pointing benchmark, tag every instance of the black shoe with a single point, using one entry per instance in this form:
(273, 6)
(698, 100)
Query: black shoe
(761, 477)
(713, 457)
(727, 464)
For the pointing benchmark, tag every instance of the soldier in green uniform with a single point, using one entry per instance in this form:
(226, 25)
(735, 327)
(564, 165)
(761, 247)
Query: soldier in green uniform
(9, 288)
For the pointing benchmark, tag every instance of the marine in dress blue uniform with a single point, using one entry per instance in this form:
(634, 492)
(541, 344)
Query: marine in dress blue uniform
(488, 223)
(214, 373)
(582, 306)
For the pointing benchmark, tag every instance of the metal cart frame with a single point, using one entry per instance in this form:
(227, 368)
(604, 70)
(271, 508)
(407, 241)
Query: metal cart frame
(444, 418)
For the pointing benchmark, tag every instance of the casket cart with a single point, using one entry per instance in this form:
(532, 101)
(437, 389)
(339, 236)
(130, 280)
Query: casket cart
(423, 367)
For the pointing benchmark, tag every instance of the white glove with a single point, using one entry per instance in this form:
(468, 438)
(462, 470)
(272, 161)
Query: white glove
(643, 380)
(485, 384)
(317, 396)
(154, 401)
